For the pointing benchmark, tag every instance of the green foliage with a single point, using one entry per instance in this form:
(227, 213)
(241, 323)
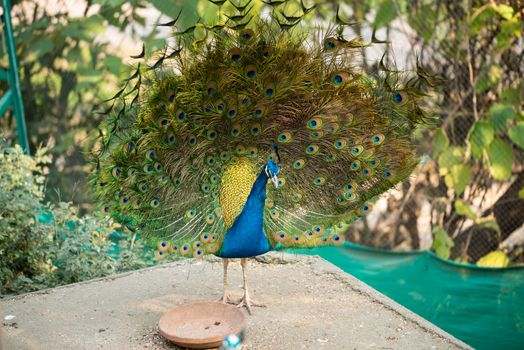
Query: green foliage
(44, 245)
(442, 243)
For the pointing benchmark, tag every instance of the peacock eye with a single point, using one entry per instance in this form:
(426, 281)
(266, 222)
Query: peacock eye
(231, 113)
(399, 97)
(235, 54)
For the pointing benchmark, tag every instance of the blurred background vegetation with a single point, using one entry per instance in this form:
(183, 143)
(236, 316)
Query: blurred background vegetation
(465, 202)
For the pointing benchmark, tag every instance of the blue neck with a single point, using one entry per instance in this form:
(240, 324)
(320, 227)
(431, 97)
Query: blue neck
(246, 237)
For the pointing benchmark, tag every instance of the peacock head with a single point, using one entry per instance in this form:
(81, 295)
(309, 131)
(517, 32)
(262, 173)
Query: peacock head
(271, 169)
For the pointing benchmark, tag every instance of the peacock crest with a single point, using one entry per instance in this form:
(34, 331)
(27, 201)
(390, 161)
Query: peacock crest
(186, 137)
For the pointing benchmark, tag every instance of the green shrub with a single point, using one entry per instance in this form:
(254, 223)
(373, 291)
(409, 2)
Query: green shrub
(44, 245)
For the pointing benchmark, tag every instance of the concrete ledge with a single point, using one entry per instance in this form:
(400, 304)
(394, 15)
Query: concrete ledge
(311, 304)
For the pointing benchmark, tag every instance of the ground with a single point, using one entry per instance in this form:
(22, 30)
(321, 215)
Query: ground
(311, 304)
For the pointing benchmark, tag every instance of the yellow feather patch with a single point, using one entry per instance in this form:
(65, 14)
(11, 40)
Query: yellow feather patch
(236, 184)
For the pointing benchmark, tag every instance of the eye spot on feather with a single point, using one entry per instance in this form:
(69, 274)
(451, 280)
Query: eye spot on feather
(297, 197)
(171, 98)
(367, 171)
(256, 129)
(211, 88)
(163, 123)
(197, 245)
(174, 249)
(373, 163)
(176, 181)
(252, 151)
(171, 139)
(148, 168)
(267, 51)
(269, 203)
(130, 146)
(154, 203)
(339, 78)
(224, 155)
(235, 130)
(181, 115)
(331, 157)
(349, 196)
(281, 182)
(280, 236)
(205, 188)
(312, 149)
(208, 109)
(116, 172)
(218, 212)
(210, 219)
(240, 149)
(341, 201)
(387, 174)
(159, 255)
(211, 161)
(212, 248)
(150, 155)
(192, 140)
(185, 249)
(355, 165)
(274, 214)
(191, 213)
(284, 137)
(336, 240)
(314, 123)
(318, 230)
(198, 253)
(220, 105)
(378, 139)
(247, 34)
(269, 90)
(137, 203)
(163, 246)
(259, 111)
(340, 144)
(357, 150)
(158, 167)
(250, 71)
(366, 208)
(319, 181)
(235, 54)
(330, 43)
(131, 172)
(163, 107)
(164, 179)
(299, 164)
(213, 179)
(399, 97)
(315, 135)
(349, 187)
(243, 100)
(211, 135)
(204, 237)
(105, 209)
(231, 113)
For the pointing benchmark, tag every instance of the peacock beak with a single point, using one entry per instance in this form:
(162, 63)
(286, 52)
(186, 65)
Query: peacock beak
(274, 178)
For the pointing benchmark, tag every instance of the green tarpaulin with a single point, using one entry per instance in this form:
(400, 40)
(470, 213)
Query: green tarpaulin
(483, 307)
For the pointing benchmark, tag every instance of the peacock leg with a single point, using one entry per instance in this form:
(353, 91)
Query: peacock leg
(246, 300)
(225, 295)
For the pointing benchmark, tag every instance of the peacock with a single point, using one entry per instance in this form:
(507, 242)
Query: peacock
(255, 134)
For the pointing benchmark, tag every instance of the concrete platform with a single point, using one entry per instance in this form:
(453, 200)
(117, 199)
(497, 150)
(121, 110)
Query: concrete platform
(311, 304)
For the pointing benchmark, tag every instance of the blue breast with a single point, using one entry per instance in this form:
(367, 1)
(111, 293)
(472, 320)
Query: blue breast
(246, 237)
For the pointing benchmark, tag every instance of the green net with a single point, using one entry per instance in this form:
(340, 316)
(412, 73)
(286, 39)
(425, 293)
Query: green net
(483, 307)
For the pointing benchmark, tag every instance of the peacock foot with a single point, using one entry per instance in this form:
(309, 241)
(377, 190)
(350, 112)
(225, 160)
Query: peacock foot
(247, 302)
(225, 299)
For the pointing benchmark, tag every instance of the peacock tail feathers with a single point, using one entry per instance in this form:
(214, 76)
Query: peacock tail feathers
(188, 134)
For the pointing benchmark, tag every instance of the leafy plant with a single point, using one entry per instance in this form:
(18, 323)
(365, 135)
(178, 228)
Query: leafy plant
(44, 245)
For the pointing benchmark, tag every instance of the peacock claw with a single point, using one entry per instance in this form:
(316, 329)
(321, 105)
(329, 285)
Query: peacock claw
(224, 299)
(248, 303)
